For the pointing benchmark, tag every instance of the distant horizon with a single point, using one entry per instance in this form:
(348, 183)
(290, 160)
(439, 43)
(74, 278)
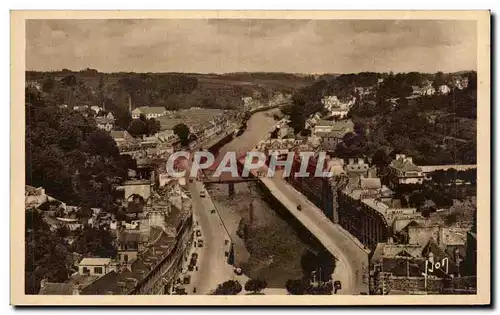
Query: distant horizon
(243, 72)
(252, 45)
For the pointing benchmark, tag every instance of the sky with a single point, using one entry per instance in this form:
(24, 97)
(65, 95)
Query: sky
(232, 45)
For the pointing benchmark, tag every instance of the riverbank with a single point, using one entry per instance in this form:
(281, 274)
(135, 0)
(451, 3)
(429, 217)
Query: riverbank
(272, 249)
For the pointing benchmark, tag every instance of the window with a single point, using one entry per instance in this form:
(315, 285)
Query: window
(86, 270)
(98, 270)
(125, 258)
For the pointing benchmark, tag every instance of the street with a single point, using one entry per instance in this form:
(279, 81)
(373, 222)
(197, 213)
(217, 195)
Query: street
(351, 259)
(213, 268)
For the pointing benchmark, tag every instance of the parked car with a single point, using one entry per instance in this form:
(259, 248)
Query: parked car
(200, 243)
(190, 180)
(194, 255)
(212, 211)
(299, 207)
(198, 233)
(202, 194)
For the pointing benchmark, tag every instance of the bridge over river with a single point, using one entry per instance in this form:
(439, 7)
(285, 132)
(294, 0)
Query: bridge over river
(352, 258)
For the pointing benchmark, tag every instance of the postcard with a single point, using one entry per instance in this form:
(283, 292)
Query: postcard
(250, 158)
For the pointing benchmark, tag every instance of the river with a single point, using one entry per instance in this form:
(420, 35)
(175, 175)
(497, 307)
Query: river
(272, 248)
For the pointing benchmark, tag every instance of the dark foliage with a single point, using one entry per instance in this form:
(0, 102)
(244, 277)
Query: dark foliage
(47, 255)
(69, 156)
(231, 287)
(255, 285)
(94, 242)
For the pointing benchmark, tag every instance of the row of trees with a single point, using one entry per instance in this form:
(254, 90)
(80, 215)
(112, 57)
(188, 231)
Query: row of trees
(293, 287)
(233, 287)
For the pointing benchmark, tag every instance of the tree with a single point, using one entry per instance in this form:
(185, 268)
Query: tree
(84, 213)
(297, 287)
(451, 219)
(153, 126)
(48, 84)
(137, 128)
(182, 131)
(438, 80)
(47, 256)
(380, 159)
(69, 156)
(95, 242)
(255, 285)
(231, 287)
(69, 80)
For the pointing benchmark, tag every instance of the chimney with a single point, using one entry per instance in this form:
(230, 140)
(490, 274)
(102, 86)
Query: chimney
(351, 161)
(361, 161)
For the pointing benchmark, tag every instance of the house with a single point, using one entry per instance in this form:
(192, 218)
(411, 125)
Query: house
(444, 89)
(121, 136)
(339, 126)
(428, 90)
(402, 171)
(357, 168)
(34, 85)
(128, 245)
(94, 266)
(34, 197)
(105, 123)
(416, 90)
(330, 140)
(149, 112)
(80, 108)
(96, 109)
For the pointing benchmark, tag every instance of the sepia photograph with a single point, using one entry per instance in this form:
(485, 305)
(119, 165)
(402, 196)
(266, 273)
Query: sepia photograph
(328, 158)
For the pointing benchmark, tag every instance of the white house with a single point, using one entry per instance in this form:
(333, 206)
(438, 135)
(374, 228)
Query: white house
(149, 112)
(428, 90)
(94, 266)
(96, 109)
(331, 125)
(444, 89)
(404, 171)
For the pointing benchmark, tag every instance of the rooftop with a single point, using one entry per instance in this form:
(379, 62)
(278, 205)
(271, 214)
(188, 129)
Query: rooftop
(338, 124)
(95, 261)
(149, 110)
(405, 164)
(104, 120)
(118, 134)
